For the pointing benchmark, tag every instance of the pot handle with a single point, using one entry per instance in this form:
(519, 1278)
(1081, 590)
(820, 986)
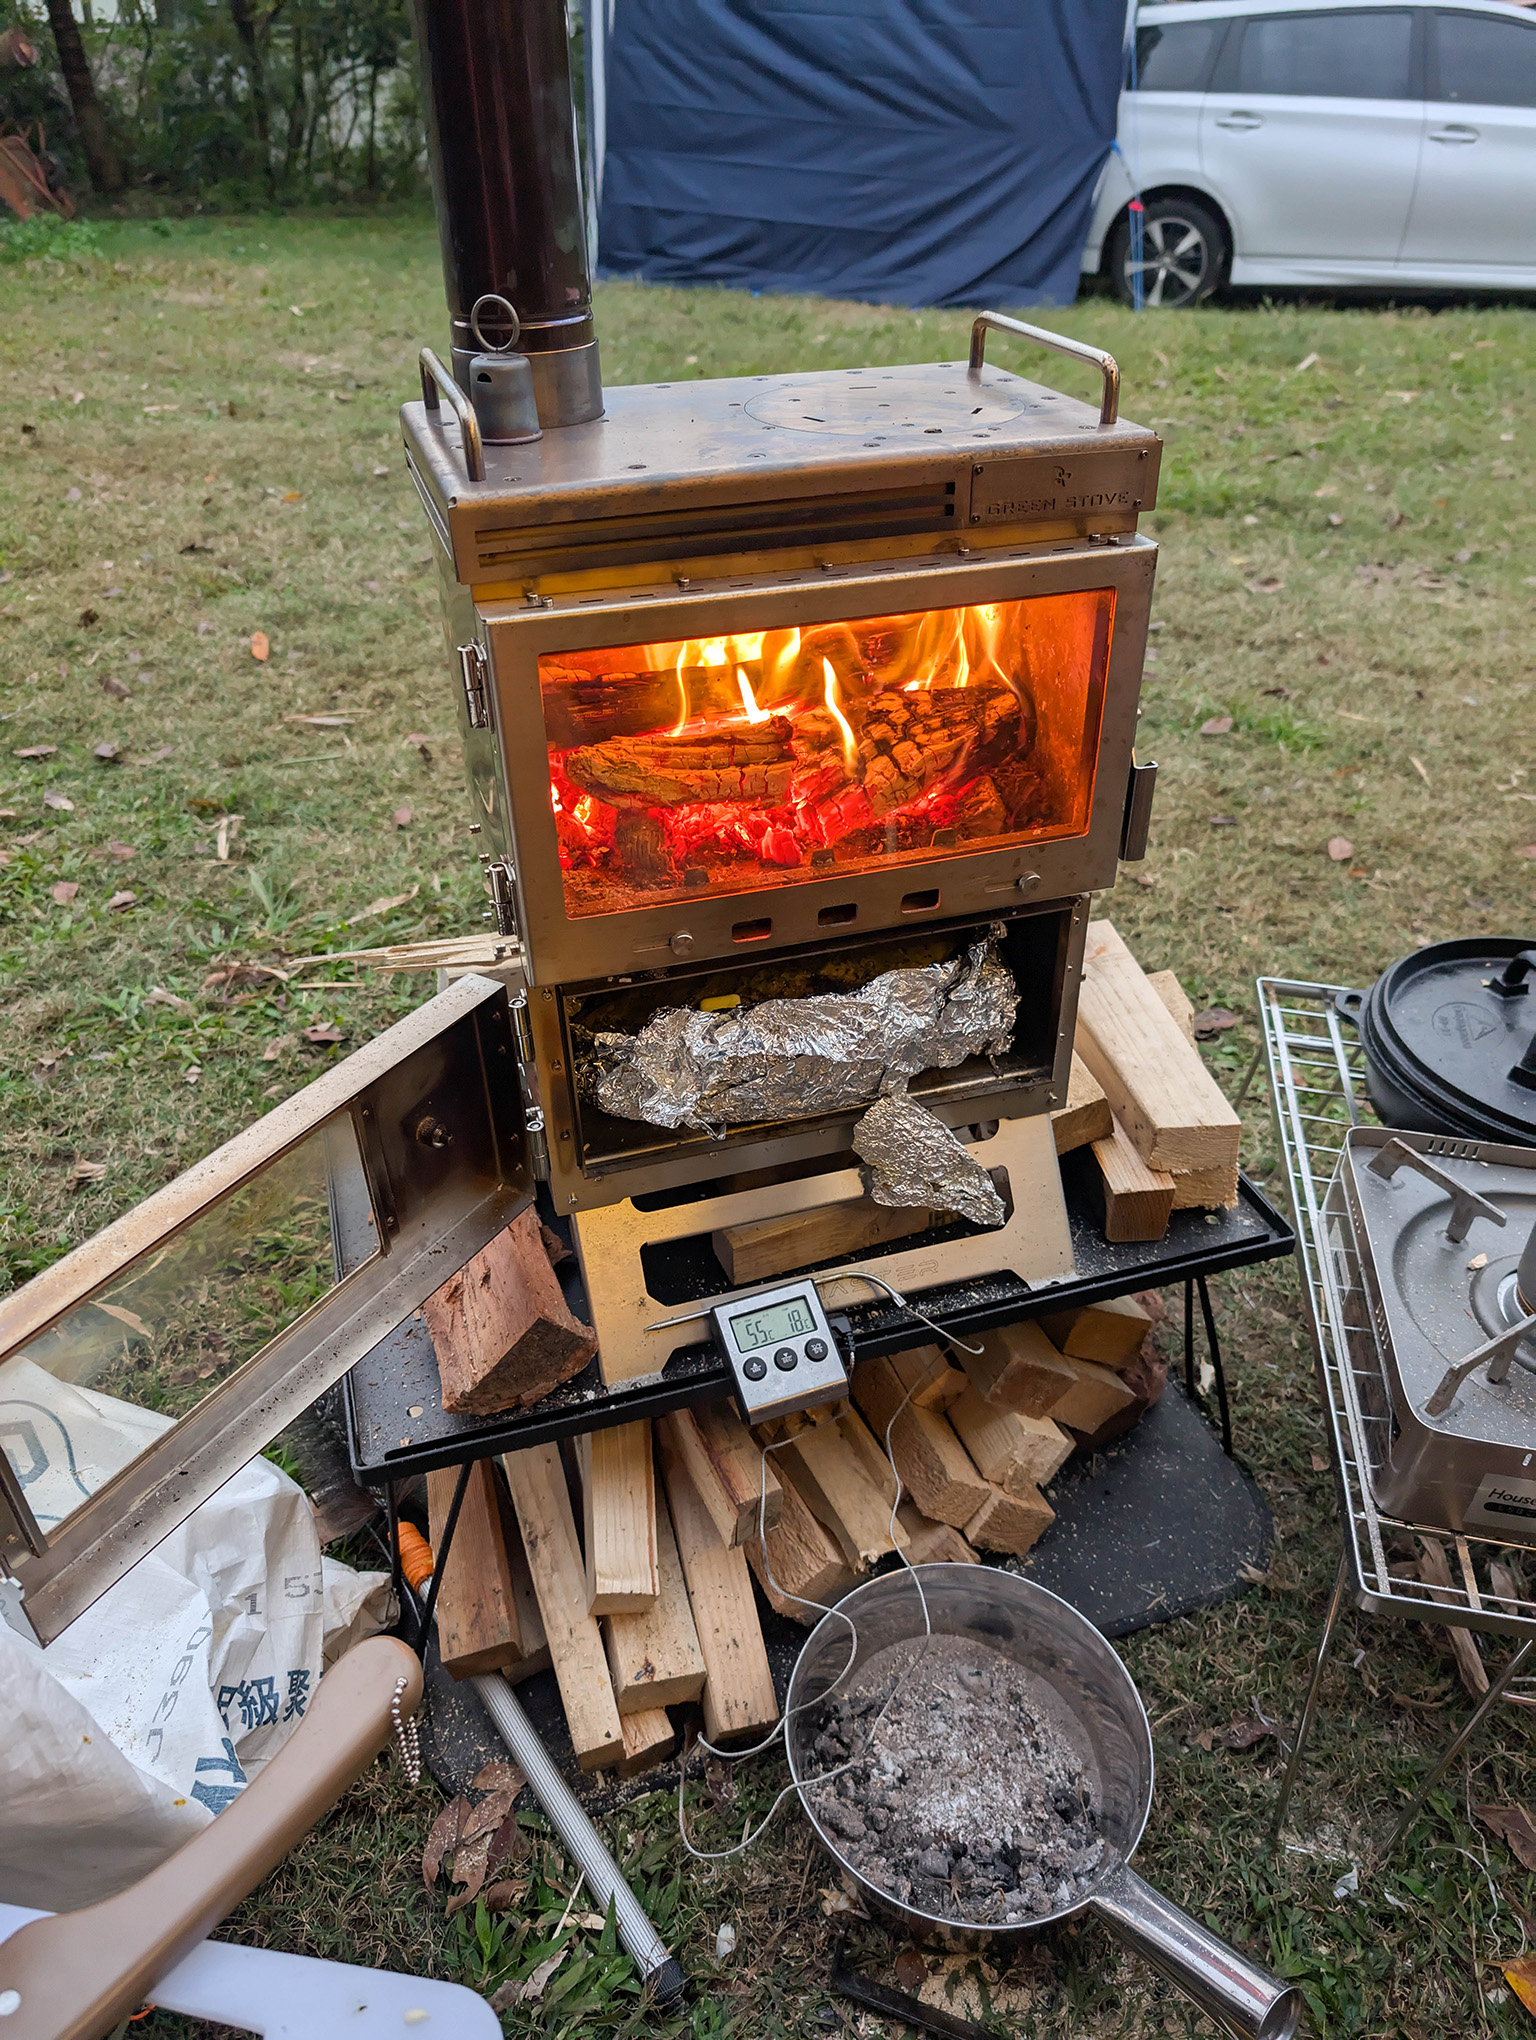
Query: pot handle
(1242, 1998)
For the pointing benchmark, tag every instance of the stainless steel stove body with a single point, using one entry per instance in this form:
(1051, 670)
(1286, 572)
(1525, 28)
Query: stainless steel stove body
(1438, 1289)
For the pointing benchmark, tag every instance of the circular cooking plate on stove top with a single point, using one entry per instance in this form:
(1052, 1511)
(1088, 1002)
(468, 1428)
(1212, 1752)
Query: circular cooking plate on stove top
(886, 406)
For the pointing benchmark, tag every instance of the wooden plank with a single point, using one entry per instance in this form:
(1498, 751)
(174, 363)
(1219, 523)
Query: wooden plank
(503, 1332)
(536, 1480)
(1205, 1189)
(933, 1380)
(1138, 1199)
(1010, 1522)
(739, 1700)
(831, 1480)
(726, 1466)
(806, 1239)
(930, 1543)
(799, 1556)
(933, 1464)
(878, 1470)
(1017, 1454)
(653, 1653)
(477, 1624)
(1110, 1332)
(1085, 1117)
(618, 1495)
(1096, 1395)
(1019, 1369)
(1160, 1091)
(530, 1622)
(649, 1739)
(1181, 1007)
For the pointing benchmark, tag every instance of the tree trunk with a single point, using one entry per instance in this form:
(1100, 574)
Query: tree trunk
(102, 159)
(243, 14)
(297, 108)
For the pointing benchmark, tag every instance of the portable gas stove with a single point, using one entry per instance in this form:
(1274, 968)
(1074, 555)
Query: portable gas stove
(1439, 1234)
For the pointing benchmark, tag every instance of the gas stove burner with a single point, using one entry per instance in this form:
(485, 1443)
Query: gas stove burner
(1435, 1243)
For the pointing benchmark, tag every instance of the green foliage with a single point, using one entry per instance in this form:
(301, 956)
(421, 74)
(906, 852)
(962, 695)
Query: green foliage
(45, 237)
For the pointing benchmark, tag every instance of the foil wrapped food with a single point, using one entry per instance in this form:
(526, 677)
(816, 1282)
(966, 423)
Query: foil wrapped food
(800, 1058)
(912, 1158)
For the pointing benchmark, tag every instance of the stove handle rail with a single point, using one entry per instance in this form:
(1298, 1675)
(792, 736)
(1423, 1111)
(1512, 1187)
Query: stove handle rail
(1497, 1351)
(1106, 364)
(435, 377)
(1466, 1204)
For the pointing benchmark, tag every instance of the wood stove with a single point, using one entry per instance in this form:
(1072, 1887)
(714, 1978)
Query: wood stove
(778, 682)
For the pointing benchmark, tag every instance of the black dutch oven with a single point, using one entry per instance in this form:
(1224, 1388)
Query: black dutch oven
(1449, 1034)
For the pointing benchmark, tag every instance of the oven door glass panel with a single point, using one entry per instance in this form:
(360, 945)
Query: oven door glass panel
(722, 765)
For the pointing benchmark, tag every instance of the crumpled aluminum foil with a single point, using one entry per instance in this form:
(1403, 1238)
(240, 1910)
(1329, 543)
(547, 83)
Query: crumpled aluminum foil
(798, 1058)
(912, 1158)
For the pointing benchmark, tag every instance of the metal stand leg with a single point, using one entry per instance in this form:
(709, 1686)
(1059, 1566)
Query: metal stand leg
(392, 1514)
(1309, 1705)
(440, 1559)
(1189, 1337)
(1475, 1720)
(1213, 1345)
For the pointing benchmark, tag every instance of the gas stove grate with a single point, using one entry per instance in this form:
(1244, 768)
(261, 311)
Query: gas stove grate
(1317, 1078)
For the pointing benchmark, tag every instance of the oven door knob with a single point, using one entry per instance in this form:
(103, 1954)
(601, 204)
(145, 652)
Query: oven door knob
(681, 943)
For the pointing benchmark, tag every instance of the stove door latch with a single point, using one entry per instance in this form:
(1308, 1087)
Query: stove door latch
(1137, 820)
(475, 668)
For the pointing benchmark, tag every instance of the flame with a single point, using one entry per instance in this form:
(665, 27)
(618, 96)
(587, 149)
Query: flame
(829, 695)
(584, 811)
(749, 699)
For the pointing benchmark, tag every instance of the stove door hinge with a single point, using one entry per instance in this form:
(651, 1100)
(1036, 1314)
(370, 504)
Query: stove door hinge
(538, 1144)
(521, 1023)
(1137, 819)
(501, 883)
(475, 668)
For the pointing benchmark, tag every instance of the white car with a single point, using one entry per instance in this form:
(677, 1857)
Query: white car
(1381, 142)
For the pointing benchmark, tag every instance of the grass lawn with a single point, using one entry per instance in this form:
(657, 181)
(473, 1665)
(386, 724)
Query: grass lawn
(200, 445)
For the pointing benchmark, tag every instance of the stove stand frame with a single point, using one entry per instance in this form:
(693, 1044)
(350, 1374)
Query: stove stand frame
(1317, 1084)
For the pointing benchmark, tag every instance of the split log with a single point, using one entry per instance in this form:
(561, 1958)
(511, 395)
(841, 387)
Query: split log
(739, 1699)
(799, 1557)
(649, 1739)
(618, 1490)
(765, 1247)
(933, 1380)
(827, 1473)
(503, 1332)
(1138, 1199)
(543, 1504)
(726, 1467)
(654, 1653)
(934, 1466)
(477, 1613)
(1205, 1189)
(1018, 1454)
(587, 708)
(1011, 1523)
(752, 764)
(1097, 1395)
(1019, 1369)
(1160, 1091)
(1085, 1117)
(1111, 1332)
(930, 1543)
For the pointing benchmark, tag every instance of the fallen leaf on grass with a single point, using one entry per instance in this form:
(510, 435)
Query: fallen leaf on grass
(127, 1317)
(260, 647)
(502, 1896)
(1520, 1975)
(324, 1034)
(443, 1838)
(121, 851)
(1418, 767)
(403, 818)
(384, 906)
(107, 752)
(115, 688)
(1244, 1730)
(471, 1866)
(1270, 585)
(1223, 821)
(36, 751)
(1340, 849)
(911, 1971)
(88, 617)
(531, 1988)
(1514, 1827)
(1146, 878)
(322, 722)
(276, 1048)
(62, 893)
(501, 1784)
(1218, 726)
(59, 802)
(121, 901)
(86, 1172)
(157, 995)
(1527, 850)
(1319, 1462)
(1213, 1021)
(228, 829)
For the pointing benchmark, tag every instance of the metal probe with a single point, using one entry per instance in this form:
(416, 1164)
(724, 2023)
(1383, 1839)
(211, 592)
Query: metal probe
(661, 1971)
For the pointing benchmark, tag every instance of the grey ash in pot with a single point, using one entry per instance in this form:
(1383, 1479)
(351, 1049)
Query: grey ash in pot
(967, 1797)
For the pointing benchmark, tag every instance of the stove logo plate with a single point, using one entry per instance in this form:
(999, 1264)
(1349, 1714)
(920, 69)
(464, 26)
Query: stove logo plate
(1503, 1502)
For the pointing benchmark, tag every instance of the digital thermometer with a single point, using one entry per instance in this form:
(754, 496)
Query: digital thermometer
(782, 1351)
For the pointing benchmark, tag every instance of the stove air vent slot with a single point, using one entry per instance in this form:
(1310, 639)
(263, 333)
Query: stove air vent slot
(704, 529)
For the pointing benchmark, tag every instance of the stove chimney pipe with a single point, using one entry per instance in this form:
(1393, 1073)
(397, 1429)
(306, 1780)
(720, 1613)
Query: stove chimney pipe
(501, 140)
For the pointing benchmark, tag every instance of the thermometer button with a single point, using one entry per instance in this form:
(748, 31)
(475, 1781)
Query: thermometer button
(754, 1369)
(815, 1349)
(786, 1358)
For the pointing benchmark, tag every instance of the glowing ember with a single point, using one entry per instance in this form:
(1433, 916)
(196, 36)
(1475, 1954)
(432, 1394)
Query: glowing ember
(727, 763)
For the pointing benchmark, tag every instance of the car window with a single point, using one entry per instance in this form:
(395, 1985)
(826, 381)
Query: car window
(1484, 61)
(1328, 56)
(1177, 58)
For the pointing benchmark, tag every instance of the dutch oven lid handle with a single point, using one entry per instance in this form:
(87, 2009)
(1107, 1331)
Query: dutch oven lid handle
(1512, 984)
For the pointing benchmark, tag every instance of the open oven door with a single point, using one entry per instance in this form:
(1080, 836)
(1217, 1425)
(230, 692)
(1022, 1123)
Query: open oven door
(141, 1371)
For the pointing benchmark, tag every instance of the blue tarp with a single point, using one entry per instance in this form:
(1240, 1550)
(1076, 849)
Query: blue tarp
(921, 152)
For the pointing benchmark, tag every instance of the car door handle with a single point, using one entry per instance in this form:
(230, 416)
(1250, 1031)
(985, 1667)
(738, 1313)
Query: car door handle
(1453, 135)
(1239, 120)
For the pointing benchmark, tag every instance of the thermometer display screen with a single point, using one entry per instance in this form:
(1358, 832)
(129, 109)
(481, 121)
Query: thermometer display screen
(789, 1320)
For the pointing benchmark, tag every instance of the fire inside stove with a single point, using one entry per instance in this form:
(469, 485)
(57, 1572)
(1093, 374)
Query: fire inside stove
(724, 764)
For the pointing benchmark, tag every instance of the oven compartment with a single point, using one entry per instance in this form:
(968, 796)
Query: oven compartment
(596, 1158)
(752, 762)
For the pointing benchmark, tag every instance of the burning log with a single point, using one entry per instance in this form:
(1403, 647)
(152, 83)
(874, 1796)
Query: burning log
(754, 764)
(640, 844)
(590, 708)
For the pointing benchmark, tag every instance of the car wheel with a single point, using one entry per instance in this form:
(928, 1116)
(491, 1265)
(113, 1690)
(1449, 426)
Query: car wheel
(1183, 255)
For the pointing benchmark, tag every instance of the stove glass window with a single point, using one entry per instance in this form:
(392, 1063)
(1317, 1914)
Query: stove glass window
(721, 765)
